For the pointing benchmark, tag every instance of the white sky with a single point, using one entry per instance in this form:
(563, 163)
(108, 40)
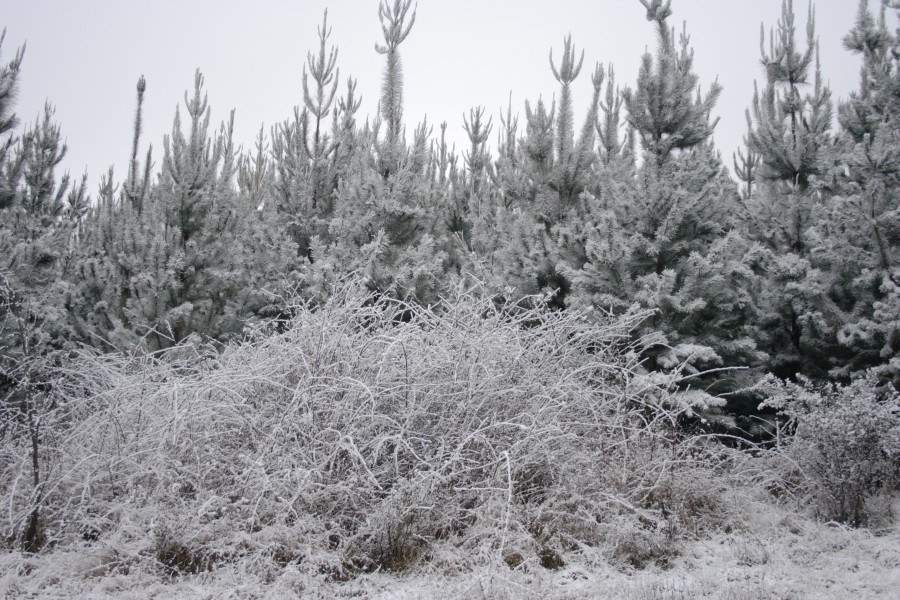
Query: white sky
(85, 56)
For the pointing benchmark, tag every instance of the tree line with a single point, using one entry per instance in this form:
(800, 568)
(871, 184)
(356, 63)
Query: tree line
(789, 269)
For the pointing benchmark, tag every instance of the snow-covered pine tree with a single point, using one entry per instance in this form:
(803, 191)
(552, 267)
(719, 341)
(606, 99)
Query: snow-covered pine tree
(396, 24)
(110, 247)
(683, 204)
(386, 215)
(594, 247)
(660, 235)
(574, 158)
(39, 216)
(541, 179)
(609, 126)
(857, 232)
(746, 168)
(789, 132)
(666, 108)
(325, 73)
(304, 153)
(465, 197)
(39, 224)
(187, 255)
(9, 170)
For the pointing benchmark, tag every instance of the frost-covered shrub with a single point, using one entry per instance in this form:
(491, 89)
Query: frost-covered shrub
(842, 444)
(369, 434)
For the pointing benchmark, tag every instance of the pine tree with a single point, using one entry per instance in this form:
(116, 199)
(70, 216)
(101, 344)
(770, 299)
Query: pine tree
(746, 168)
(39, 216)
(36, 238)
(652, 236)
(305, 155)
(857, 232)
(789, 132)
(191, 255)
(666, 109)
(396, 29)
(9, 170)
(384, 227)
(609, 127)
(324, 72)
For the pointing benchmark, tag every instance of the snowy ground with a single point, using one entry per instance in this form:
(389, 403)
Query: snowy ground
(776, 554)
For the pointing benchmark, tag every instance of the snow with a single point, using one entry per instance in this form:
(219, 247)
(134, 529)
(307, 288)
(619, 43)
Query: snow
(778, 553)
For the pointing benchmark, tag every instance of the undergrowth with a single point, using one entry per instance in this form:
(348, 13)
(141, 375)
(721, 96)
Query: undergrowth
(371, 434)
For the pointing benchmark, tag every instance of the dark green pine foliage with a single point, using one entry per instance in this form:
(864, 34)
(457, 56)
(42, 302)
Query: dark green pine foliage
(790, 122)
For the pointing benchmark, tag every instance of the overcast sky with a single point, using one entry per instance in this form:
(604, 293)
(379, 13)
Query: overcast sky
(85, 57)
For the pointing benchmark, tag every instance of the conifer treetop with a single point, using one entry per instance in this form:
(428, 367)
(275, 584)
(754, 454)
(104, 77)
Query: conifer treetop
(396, 28)
(323, 69)
(867, 36)
(668, 110)
(393, 24)
(9, 75)
(784, 61)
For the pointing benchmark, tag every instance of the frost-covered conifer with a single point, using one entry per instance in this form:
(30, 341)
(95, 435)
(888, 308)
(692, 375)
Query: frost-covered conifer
(39, 225)
(188, 255)
(385, 225)
(659, 235)
(39, 217)
(789, 133)
(856, 238)
(9, 170)
(396, 24)
(306, 155)
(324, 72)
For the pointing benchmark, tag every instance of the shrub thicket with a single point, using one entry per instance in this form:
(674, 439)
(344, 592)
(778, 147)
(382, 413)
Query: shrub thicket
(841, 450)
(371, 433)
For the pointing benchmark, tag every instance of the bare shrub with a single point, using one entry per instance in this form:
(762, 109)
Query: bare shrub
(839, 450)
(370, 434)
